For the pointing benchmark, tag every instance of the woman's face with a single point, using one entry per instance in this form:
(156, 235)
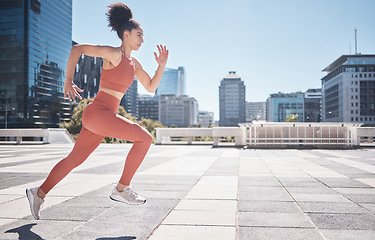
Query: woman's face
(134, 38)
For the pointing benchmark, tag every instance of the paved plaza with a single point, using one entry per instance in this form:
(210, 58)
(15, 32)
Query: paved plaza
(193, 192)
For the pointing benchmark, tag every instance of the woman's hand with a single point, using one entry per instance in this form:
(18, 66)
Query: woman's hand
(71, 89)
(163, 55)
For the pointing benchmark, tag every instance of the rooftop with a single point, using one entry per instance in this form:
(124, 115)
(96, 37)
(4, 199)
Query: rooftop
(343, 60)
(193, 192)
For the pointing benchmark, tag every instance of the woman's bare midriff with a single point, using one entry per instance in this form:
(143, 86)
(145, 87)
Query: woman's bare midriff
(114, 93)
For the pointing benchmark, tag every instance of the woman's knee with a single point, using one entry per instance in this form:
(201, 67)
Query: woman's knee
(146, 136)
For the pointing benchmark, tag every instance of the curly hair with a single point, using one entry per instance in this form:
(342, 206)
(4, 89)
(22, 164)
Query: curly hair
(120, 19)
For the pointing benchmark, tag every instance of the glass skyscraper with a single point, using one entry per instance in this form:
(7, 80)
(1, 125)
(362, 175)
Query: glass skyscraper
(172, 82)
(35, 41)
(280, 105)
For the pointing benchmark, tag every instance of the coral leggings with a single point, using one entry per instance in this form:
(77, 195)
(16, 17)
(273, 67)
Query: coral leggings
(99, 119)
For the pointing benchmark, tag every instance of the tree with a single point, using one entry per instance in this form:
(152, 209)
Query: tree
(292, 118)
(150, 125)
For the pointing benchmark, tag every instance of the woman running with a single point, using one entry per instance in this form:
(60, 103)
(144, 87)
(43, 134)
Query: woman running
(99, 118)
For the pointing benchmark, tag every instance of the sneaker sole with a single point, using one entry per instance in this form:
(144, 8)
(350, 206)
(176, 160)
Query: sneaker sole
(124, 201)
(30, 198)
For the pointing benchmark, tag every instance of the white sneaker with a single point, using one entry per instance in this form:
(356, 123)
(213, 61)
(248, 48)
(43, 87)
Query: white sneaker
(126, 196)
(36, 203)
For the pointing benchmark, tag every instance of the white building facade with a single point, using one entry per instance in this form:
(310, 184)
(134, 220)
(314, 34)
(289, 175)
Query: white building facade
(255, 111)
(179, 111)
(205, 118)
(348, 90)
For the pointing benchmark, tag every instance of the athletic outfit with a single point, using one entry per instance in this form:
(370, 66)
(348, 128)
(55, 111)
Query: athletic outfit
(99, 119)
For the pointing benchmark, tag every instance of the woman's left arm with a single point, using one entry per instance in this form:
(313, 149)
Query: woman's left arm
(152, 84)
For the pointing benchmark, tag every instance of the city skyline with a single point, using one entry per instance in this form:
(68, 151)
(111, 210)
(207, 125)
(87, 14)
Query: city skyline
(273, 46)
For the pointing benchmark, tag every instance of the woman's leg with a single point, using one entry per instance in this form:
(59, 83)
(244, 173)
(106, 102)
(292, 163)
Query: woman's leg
(113, 125)
(85, 144)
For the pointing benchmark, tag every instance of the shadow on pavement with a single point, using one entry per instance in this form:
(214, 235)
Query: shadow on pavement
(117, 238)
(25, 233)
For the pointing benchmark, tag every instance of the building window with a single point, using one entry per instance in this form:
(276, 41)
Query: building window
(352, 104)
(356, 111)
(85, 79)
(352, 112)
(88, 94)
(94, 60)
(94, 82)
(356, 97)
(83, 56)
(356, 82)
(77, 67)
(356, 104)
(365, 119)
(352, 119)
(356, 118)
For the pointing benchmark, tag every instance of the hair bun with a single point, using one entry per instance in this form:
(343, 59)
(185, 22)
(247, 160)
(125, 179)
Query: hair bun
(117, 15)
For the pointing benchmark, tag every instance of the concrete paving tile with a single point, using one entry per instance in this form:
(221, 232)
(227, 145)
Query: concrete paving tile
(214, 194)
(259, 181)
(68, 213)
(162, 194)
(333, 207)
(259, 233)
(305, 197)
(296, 183)
(4, 221)
(321, 190)
(7, 198)
(343, 182)
(173, 232)
(264, 193)
(109, 230)
(368, 181)
(207, 205)
(355, 190)
(31, 229)
(208, 218)
(361, 198)
(348, 234)
(268, 206)
(348, 221)
(262, 219)
(369, 206)
(19, 208)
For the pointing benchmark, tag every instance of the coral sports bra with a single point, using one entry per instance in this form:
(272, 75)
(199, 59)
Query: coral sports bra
(120, 77)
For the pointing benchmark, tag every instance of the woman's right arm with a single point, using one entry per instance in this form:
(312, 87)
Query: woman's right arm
(111, 54)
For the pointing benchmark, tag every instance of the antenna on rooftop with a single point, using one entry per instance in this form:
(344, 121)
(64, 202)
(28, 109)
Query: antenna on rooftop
(355, 33)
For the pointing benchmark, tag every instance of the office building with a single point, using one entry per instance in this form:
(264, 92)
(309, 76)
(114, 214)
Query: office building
(348, 90)
(255, 111)
(148, 107)
(35, 41)
(172, 82)
(130, 100)
(87, 74)
(205, 118)
(179, 111)
(312, 102)
(280, 105)
(232, 100)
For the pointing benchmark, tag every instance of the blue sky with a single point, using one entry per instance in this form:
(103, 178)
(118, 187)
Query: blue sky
(273, 45)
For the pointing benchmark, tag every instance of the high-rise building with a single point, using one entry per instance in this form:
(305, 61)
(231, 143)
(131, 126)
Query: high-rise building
(87, 74)
(232, 100)
(35, 41)
(312, 102)
(348, 90)
(205, 118)
(180, 111)
(280, 105)
(148, 107)
(172, 82)
(129, 100)
(255, 111)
